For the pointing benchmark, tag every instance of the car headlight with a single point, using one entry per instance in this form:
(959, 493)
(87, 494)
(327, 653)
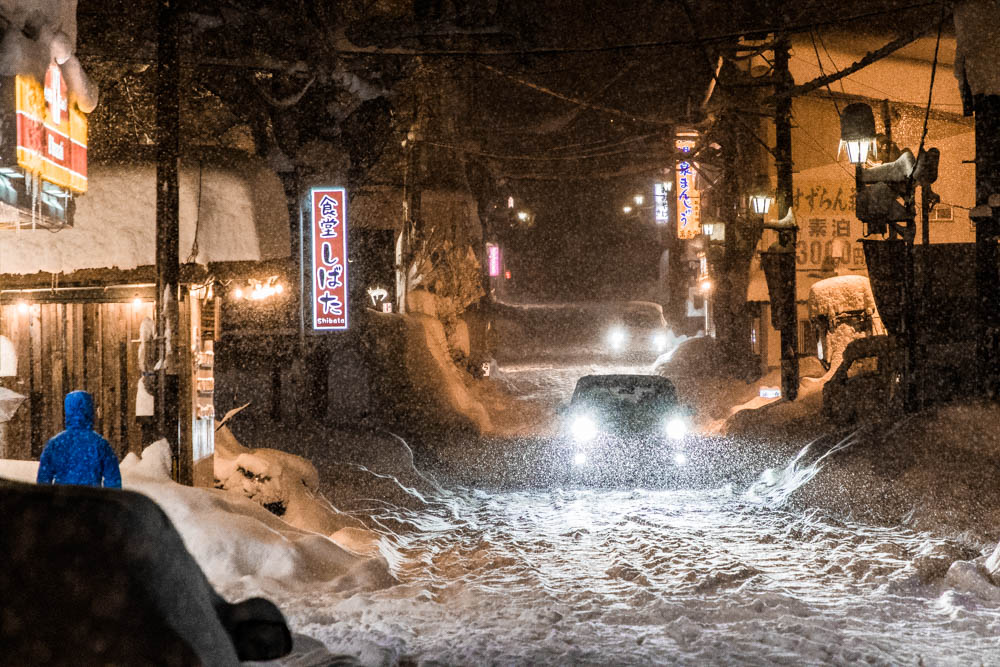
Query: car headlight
(676, 428)
(583, 428)
(617, 338)
(660, 342)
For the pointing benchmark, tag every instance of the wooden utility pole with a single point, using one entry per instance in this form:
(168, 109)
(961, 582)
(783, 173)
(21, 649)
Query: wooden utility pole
(987, 119)
(784, 198)
(167, 233)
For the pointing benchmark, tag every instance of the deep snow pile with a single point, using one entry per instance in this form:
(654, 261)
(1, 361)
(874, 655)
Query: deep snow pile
(284, 484)
(239, 543)
(418, 384)
(234, 212)
(840, 294)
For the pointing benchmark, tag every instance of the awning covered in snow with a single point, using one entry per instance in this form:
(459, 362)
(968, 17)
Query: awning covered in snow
(235, 209)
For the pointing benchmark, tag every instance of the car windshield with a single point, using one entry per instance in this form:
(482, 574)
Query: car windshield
(644, 320)
(631, 401)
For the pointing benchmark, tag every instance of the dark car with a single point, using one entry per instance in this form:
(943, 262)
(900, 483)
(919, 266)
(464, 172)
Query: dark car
(621, 423)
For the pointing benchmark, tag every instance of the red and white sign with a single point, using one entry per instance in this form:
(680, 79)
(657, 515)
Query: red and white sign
(329, 258)
(51, 133)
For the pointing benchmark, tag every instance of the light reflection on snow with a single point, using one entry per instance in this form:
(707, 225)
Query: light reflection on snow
(592, 576)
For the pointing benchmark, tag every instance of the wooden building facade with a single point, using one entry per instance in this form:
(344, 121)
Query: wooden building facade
(83, 337)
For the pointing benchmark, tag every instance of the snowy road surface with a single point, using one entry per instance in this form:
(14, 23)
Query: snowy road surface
(651, 577)
(719, 574)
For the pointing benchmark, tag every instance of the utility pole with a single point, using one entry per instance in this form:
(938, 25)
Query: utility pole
(167, 233)
(784, 198)
(987, 123)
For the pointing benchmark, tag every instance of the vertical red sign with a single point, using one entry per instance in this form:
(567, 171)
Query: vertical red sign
(329, 258)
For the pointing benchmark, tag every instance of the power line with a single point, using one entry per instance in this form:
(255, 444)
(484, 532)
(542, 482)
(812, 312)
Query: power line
(575, 100)
(632, 46)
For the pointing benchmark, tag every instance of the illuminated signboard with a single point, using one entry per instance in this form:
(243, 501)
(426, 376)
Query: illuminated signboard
(493, 259)
(329, 258)
(688, 198)
(661, 202)
(51, 132)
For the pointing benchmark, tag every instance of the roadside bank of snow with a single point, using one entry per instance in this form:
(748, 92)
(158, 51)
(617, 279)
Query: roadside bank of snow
(702, 375)
(238, 543)
(416, 380)
(933, 470)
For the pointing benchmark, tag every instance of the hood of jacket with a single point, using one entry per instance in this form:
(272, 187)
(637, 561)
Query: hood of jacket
(79, 408)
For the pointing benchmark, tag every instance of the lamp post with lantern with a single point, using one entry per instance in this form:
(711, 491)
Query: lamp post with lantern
(878, 190)
(778, 263)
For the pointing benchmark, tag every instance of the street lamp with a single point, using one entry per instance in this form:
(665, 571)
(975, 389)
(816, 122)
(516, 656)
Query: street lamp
(857, 132)
(626, 209)
(638, 199)
(778, 264)
(760, 202)
(878, 191)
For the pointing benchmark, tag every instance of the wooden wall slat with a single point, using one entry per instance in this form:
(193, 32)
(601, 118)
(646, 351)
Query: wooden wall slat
(35, 386)
(14, 325)
(109, 375)
(66, 343)
(56, 335)
(44, 383)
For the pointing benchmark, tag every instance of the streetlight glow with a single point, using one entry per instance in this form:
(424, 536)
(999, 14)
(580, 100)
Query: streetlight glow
(638, 199)
(626, 209)
(760, 202)
(857, 132)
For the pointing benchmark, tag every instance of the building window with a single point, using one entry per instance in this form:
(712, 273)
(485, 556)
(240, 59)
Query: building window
(807, 339)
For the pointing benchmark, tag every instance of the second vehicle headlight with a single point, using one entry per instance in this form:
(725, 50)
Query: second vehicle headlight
(617, 337)
(583, 428)
(660, 342)
(676, 428)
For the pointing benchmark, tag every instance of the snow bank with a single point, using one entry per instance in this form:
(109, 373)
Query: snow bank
(237, 211)
(418, 382)
(287, 486)
(236, 541)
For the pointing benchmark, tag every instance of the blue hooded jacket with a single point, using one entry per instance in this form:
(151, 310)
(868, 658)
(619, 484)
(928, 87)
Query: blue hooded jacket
(79, 455)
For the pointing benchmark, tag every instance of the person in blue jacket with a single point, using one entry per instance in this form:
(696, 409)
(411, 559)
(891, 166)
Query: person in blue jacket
(79, 455)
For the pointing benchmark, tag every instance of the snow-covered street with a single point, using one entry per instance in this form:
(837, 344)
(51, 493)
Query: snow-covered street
(651, 577)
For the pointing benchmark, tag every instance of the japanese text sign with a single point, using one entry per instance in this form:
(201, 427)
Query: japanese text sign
(661, 202)
(329, 258)
(51, 131)
(688, 198)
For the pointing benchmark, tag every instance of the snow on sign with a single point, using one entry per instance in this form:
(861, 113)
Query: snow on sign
(329, 258)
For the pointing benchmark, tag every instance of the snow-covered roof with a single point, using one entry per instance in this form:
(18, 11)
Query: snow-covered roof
(237, 211)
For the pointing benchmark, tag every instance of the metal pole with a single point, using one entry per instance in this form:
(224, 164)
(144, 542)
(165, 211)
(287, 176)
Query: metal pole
(783, 164)
(167, 233)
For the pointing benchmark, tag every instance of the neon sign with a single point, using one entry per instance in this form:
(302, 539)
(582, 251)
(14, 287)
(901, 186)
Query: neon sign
(493, 259)
(51, 132)
(329, 258)
(661, 202)
(688, 198)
